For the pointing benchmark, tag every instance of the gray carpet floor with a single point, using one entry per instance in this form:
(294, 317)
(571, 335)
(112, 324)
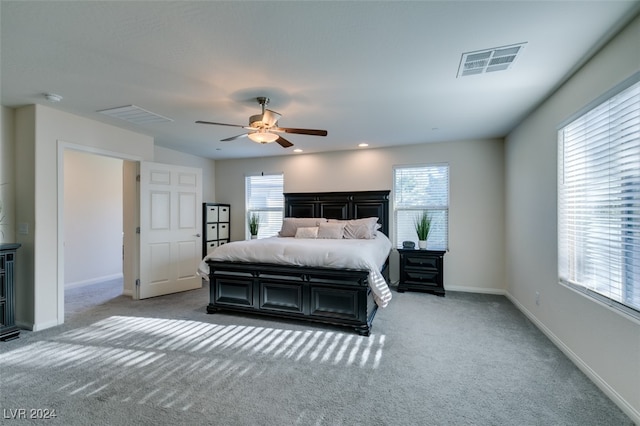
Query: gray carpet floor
(465, 359)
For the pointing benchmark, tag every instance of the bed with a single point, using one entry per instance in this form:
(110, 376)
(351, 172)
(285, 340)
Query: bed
(332, 290)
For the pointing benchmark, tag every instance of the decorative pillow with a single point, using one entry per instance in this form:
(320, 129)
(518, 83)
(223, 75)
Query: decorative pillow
(307, 232)
(291, 224)
(360, 228)
(332, 230)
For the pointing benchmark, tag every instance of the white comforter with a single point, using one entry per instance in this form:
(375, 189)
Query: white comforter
(344, 253)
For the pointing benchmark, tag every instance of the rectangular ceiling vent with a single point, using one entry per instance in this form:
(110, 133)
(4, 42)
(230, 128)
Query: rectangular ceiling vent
(135, 115)
(489, 60)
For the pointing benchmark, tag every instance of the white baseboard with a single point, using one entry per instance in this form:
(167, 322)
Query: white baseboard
(622, 403)
(36, 327)
(482, 290)
(95, 280)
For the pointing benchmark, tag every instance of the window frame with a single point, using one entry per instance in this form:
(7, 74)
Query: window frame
(273, 209)
(418, 207)
(564, 277)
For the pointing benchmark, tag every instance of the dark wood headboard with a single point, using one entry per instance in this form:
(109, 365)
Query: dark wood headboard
(340, 205)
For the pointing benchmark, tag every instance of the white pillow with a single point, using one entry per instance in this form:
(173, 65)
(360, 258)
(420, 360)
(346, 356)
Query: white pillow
(359, 228)
(291, 224)
(307, 232)
(331, 230)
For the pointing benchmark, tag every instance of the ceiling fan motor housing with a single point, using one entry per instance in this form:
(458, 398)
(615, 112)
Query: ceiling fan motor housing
(256, 121)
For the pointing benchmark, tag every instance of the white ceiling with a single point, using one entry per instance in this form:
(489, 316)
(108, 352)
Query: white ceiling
(383, 73)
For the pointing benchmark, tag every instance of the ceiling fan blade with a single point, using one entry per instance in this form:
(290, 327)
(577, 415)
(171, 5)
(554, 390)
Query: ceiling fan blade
(270, 118)
(311, 132)
(223, 124)
(232, 138)
(283, 142)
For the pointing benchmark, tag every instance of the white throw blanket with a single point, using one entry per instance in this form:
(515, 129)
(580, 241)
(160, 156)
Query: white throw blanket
(343, 253)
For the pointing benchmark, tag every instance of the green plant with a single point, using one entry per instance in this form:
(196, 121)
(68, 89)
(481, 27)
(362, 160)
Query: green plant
(254, 223)
(423, 225)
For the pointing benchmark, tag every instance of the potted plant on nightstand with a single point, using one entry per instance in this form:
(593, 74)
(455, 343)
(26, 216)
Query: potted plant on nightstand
(254, 225)
(423, 226)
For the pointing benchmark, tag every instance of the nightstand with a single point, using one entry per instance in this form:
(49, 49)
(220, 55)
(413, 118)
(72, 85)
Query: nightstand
(8, 328)
(421, 270)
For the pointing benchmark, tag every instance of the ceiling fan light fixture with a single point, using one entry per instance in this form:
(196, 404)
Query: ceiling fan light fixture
(263, 137)
(262, 126)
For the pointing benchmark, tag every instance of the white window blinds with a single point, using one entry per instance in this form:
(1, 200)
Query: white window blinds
(264, 196)
(599, 201)
(418, 188)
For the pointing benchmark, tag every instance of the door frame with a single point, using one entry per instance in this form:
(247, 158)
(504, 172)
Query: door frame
(62, 146)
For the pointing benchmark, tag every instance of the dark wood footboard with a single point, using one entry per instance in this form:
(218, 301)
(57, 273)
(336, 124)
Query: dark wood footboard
(331, 296)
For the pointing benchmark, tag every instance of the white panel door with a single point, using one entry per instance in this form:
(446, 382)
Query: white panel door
(170, 221)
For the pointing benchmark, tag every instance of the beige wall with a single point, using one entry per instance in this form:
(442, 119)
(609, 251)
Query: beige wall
(475, 260)
(25, 200)
(7, 176)
(605, 344)
(169, 156)
(93, 216)
(40, 133)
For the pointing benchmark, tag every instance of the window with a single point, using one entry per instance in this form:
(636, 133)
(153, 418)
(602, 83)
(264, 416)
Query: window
(599, 200)
(264, 196)
(418, 188)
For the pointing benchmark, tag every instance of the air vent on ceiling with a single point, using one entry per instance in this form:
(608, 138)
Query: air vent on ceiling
(135, 115)
(489, 60)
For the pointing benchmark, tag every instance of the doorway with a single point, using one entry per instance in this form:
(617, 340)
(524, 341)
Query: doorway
(128, 252)
(93, 229)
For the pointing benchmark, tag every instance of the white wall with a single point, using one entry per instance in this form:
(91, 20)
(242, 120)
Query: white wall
(475, 260)
(93, 215)
(605, 344)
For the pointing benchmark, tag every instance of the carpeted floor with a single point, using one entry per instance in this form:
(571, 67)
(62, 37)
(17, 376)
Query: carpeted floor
(465, 359)
(78, 300)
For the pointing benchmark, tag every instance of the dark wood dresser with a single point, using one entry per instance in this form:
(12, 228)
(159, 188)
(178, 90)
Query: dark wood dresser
(421, 270)
(8, 329)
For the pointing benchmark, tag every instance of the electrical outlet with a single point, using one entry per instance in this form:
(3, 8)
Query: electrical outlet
(537, 298)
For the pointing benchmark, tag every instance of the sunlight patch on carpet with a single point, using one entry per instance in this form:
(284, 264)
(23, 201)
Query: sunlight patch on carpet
(156, 356)
(161, 334)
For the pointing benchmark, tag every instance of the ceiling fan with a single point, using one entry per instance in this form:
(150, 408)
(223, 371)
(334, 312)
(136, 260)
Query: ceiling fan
(263, 128)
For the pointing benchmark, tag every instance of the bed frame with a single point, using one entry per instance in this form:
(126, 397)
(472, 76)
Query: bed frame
(326, 295)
